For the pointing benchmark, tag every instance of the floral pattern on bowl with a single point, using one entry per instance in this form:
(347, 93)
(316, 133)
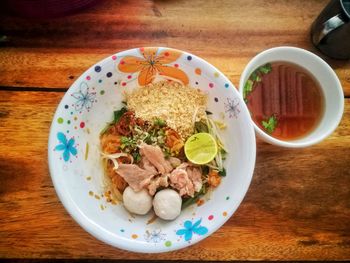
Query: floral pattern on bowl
(74, 156)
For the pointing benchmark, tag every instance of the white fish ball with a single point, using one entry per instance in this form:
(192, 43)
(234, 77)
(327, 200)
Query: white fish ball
(137, 202)
(167, 204)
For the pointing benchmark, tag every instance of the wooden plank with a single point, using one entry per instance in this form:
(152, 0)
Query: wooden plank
(297, 206)
(52, 68)
(228, 34)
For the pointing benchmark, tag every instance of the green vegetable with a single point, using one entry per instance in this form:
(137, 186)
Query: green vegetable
(127, 143)
(208, 112)
(254, 78)
(116, 117)
(191, 200)
(223, 152)
(118, 114)
(159, 122)
(201, 127)
(223, 172)
(167, 152)
(161, 133)
(271, 124)
(148, 139)
(265, 68)
(136, 156)
(248, 87)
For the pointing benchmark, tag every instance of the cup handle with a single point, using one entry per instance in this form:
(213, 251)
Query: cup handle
(329, 26)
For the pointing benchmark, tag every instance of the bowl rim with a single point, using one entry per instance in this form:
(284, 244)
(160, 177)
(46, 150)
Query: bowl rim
(100, 233)
(338, 88)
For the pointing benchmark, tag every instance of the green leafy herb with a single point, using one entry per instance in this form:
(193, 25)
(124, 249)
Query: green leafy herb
(208, 112)
(265, 68)
(201, 127)
(223, 172)
(270, 124)
(118, 114)
(248, 87)
(116, 117)
(255, 77)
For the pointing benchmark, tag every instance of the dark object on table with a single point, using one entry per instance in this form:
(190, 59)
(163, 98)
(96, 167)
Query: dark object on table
(330, 32)
(42, 9)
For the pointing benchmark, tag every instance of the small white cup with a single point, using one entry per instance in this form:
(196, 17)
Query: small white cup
(329, 82)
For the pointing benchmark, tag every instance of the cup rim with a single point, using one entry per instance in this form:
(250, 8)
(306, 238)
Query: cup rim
(338, 88)
(344, 9)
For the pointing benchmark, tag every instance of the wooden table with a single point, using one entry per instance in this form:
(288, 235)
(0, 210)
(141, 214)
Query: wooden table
(298, 205)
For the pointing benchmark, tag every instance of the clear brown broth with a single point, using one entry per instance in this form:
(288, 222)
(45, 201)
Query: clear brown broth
(292, 95)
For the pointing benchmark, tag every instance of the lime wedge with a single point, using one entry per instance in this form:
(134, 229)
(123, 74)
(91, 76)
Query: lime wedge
(201, 148)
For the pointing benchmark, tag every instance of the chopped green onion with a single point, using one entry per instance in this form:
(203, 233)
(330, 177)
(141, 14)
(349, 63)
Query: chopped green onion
(159, 122)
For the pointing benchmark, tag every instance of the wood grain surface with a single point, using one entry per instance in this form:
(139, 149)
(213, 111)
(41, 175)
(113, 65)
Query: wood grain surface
(225, 33)
(298, 204)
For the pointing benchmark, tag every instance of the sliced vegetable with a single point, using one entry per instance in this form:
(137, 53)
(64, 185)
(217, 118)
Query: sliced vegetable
(201, 127)
(201, 148)
(113, 157)
(191, 200)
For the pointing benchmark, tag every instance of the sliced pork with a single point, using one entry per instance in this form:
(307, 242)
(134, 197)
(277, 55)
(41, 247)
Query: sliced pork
(156, 157)
(156, 182)
(180, 181)
(145, 164)
(195, 176)
(187, 179)
(135, 176)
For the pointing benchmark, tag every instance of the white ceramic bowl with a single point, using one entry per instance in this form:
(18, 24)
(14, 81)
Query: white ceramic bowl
(329, 82)
(75, 164)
